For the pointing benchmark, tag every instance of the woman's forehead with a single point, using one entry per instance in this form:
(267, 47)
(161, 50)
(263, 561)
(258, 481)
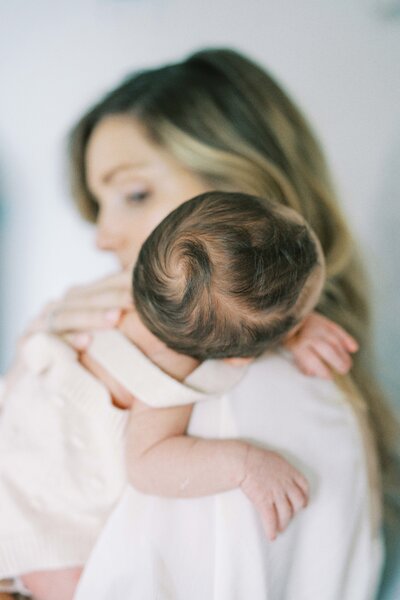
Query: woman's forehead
(118, 145)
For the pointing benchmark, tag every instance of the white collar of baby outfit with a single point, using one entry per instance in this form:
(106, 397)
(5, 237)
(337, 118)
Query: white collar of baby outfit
(134, 371)
(126, 363)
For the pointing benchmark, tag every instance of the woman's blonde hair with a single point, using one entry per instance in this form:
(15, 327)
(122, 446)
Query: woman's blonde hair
(226, 119)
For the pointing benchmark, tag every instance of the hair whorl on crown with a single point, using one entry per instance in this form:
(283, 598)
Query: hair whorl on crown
(222, 275)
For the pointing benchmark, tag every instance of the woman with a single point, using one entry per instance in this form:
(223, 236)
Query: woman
(217, 121)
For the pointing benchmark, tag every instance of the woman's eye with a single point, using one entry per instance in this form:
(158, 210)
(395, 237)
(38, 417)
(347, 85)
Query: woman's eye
(137, 196)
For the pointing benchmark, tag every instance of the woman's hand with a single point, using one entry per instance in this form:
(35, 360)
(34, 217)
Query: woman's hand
(82, 309)
(85, 308)
(320, 347)
(277, 490)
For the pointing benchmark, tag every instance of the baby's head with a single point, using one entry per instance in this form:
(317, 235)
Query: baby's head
(227, 275)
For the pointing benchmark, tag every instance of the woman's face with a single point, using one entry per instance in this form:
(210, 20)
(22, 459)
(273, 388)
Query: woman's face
(135, 183)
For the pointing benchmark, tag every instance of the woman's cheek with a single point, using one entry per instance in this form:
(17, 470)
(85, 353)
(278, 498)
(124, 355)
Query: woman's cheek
(150, 222)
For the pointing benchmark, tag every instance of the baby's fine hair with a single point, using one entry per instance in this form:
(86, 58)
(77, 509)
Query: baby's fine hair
(222, 275)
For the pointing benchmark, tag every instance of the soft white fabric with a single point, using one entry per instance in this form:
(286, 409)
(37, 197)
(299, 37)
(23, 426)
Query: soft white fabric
(214, 548)
(62, 446)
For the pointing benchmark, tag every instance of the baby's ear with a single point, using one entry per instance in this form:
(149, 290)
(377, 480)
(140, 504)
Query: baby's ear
(238, 361)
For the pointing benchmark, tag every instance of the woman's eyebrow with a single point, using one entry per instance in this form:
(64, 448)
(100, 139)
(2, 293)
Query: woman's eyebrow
(123, 167)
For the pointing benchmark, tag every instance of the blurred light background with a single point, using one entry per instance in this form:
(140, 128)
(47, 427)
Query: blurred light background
(340, 59)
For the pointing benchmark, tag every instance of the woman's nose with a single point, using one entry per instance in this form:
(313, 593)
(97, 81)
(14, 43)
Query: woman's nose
(104, 242)
(108, 235)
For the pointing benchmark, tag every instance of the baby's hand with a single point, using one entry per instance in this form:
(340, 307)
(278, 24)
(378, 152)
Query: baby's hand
(277, 490)
(321, 345)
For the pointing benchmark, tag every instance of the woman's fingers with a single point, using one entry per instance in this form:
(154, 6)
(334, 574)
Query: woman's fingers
(121, 280)
(97, 306)
(111, 292)
(105, 298)
(81, 320)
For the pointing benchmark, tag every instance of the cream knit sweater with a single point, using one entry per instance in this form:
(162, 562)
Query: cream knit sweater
(62, 447)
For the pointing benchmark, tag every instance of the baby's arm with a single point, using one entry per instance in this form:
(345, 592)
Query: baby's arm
(163, 461)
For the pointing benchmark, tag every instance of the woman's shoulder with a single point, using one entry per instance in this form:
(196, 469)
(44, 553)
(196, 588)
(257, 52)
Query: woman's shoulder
(275, 374)
(277, 403)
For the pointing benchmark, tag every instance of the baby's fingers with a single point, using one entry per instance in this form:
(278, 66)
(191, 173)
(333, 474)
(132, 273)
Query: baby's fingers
(302, 483)
(311, 364)
(297, 497)
(343, 337)
(285, 511)
(334, 355)
(270, 522)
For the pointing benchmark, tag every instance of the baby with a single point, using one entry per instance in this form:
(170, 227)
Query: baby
(224, 276)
